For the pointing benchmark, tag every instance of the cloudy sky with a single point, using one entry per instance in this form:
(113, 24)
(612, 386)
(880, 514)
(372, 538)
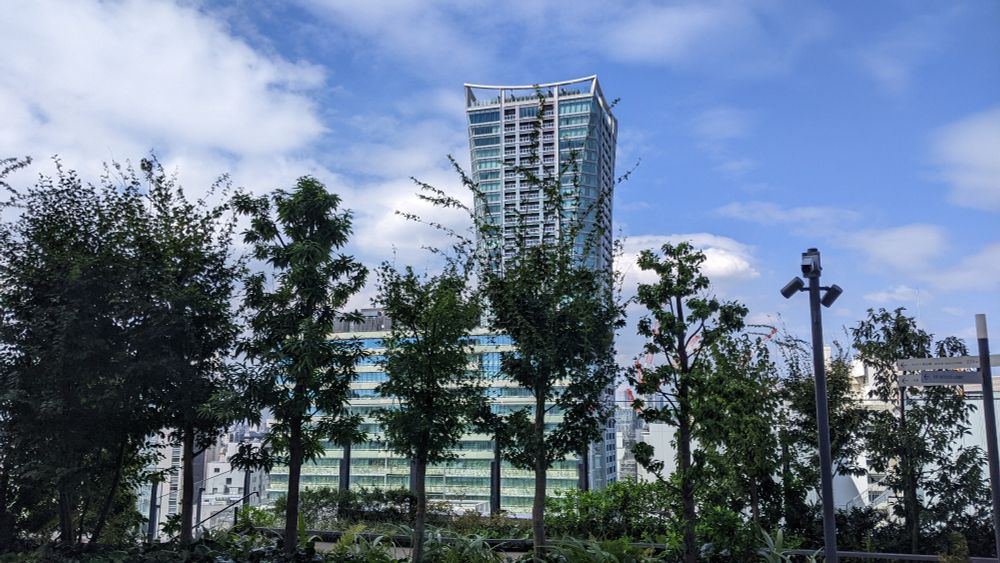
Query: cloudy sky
(868, 129)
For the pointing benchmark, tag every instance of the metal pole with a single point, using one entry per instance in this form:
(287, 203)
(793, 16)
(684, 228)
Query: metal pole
(197, 517)
(989, 411)
(822, 421)
(151, 531)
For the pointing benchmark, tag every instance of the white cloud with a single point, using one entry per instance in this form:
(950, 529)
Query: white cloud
(725, 259)
(127, 76)
(449, 36)
(898, 294)
(892, 60)
(975, 272)
(969, 155)
(721, 124)
(716, 130)
(910, 248)
(811, 217)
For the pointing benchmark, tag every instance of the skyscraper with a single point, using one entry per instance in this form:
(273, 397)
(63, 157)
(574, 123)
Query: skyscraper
(562, 128)
(565, 131)
(564, 134)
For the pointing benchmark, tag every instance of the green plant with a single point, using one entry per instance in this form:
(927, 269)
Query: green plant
(775, 550)
(576, 550)
(636, 510)
(445, 547)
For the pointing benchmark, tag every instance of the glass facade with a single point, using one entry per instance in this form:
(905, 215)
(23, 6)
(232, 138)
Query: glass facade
(562, 130)
(465, 482)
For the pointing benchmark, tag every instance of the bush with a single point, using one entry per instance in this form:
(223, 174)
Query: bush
(630, 509)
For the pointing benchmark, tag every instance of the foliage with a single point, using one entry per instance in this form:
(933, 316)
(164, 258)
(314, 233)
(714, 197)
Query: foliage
(556, 296)
(427, 366)
(298, 372)
(324, 507)
(574, 550)
(94, 295)
(683, 325)
(637, 510)
(191, 278)
(736, 405)
(448, 547)
(798, 432)
(774, 549)
(918, 445)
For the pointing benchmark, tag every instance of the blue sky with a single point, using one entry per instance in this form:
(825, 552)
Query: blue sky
(868, 129)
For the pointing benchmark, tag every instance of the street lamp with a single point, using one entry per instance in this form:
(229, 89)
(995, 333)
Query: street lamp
(811, 269)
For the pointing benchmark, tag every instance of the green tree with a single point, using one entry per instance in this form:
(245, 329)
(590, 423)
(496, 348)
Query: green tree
(427, 361)
(77, 390)
(683, 325)
(184, 249)
(798, 431)
(299, 373)
(917, 444)
(736, 409)
(557, 298)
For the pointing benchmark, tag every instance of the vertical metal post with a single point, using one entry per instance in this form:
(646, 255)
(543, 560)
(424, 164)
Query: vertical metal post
(495, 477)
(822, 420)
(197, 515)
(154, 490)
(989, 410)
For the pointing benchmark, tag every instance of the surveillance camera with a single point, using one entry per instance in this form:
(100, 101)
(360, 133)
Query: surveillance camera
(810, 263)
(832, 293)
(792, 287)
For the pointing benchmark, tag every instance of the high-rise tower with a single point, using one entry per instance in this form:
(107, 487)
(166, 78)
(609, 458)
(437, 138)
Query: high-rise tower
(564, 134)
(561, 128)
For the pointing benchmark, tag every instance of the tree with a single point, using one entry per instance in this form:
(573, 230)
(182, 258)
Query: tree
(427, 364)
(560, 311)
(184, 248)
(798, 431)
(736, 408)
(77, 394)
(683, 325)
(300, 374)
(917, 444)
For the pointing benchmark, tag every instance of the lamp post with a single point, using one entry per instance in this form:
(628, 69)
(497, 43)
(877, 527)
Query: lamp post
(811, 269)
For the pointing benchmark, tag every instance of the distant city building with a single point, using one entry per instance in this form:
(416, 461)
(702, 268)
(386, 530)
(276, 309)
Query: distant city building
(219, 482)
(464, 483)
(563, 131)
(560, 128)
(224, 485)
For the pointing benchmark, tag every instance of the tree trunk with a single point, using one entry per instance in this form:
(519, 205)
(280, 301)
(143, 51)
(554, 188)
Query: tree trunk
(420, 519)
(910, 506)
(6, 518)
(687, 483)
(65, 514)
(684, 441)
(187, 485)
(102, 517)
(754, 502)
(538, 507)
(295, 455)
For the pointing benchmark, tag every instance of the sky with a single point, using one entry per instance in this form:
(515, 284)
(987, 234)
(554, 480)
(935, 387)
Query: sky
(758, 129)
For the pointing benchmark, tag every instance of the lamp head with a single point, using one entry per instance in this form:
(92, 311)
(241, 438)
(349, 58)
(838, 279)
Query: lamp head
(792, 287)
(832, 293)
